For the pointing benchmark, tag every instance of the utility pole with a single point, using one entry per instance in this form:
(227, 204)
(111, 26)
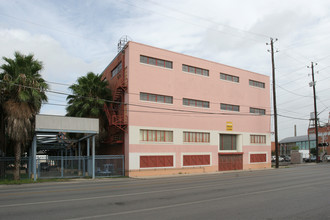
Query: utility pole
(315, 115)
(274, 100)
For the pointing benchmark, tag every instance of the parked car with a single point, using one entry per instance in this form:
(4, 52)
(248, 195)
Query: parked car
(327, 158)
(287, 158)
(280, 159)
(312, 158)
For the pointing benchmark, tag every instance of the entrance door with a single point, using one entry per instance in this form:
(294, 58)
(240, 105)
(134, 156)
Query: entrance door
(230, 162)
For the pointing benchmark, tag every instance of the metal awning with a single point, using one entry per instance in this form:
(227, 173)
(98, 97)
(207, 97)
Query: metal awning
(50, 130)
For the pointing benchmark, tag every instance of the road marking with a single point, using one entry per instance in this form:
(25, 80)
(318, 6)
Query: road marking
(122, 195)
(243, 174)
(103, 197)
(192, 203)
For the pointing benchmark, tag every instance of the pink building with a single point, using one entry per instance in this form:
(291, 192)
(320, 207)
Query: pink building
(174, 113)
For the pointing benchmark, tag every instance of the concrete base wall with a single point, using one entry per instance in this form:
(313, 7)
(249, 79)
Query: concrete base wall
(257, 166)
(174, 171)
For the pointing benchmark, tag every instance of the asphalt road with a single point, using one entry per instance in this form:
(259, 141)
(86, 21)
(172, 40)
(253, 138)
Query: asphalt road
(301, 192)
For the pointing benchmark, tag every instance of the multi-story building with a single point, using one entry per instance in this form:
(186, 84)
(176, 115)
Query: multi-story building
(172, 113)
(323, 135)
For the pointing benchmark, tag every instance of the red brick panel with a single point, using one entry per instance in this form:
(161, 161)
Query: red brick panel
(192, 160)
(257, 158)
(156, 161)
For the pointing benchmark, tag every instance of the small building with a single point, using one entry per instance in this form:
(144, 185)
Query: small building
(172, 113)
(303, 142)
(323, 136)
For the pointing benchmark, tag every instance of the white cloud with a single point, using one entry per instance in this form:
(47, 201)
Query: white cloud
(72, 39)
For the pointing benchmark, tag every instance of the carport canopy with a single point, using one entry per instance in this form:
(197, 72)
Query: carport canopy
(49, 127)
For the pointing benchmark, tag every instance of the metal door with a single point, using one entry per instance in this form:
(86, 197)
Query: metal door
(230, 162)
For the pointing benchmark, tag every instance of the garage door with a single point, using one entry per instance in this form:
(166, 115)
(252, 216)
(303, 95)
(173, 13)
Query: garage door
(230, 162)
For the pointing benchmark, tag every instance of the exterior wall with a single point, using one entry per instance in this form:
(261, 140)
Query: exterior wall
(174, 82)
(324, 136)
(179, 84)
(285, 148)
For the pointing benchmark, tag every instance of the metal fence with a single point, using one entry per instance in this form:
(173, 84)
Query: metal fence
(64, 166)
(109, 165)
(7, 168)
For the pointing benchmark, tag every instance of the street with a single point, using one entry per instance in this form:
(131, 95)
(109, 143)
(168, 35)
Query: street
(297, 192)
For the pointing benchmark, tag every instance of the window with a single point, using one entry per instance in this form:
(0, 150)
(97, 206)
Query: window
(257, 111)
(196, 103)
(256, 84)
(156, 62)
(196, 137)
(156, 98)
(156, 135)
(195, 70)
(116, 70)
(228, 142)
(258, 139)
(229, 77)
(229, 107)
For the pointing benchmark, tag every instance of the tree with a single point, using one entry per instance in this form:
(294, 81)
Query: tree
(23, 93)
(313, 151)
(88, 98)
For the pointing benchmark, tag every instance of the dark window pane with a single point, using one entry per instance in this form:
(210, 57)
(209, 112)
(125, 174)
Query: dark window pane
(160, 98)
(192, 69)
(161, 63)
(192, 102)
(144, 96)
(152, 61)
(152, 97)
(143, 59)
(169, 99)
(168, 64)
(227, 142)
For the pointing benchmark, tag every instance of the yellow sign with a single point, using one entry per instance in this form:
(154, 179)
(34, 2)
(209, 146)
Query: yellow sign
(229, 126)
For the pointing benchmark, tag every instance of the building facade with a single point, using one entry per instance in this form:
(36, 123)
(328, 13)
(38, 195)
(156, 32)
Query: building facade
(302, 142)
(172, 113)
(323, 136)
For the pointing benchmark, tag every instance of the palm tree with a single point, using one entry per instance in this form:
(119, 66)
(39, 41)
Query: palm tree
(23, 93)
(88, 98)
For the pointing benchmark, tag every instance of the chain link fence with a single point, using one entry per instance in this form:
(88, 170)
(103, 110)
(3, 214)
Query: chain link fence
(64, 166)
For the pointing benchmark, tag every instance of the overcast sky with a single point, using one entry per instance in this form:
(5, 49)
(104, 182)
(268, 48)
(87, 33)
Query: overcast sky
(74, 37)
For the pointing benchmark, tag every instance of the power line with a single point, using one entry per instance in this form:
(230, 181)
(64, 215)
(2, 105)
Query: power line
(222, 32)
(208, 20)
(293, 92)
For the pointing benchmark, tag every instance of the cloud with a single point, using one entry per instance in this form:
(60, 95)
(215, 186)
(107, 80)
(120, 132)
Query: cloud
(72, 39)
